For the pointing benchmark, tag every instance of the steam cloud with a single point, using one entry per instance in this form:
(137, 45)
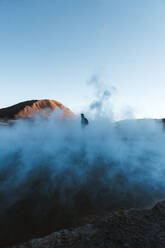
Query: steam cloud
(121, 164)
(53, 171)
(102, 96)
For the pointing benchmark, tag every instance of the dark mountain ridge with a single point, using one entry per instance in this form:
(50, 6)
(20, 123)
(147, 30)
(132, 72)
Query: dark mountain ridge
(29, 109)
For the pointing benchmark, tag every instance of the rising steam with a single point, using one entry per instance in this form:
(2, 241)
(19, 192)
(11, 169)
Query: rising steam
(119, 163)
(53, 172)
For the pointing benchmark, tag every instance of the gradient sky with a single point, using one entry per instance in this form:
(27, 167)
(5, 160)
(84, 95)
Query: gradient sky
(51, 48)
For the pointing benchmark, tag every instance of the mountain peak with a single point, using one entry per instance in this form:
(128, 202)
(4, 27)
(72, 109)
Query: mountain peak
(29, 109)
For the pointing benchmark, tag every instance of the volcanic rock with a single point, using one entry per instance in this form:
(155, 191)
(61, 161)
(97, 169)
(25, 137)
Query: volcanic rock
(120, 229)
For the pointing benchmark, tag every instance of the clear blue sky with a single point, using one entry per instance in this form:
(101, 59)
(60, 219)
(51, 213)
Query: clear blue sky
(50, 49)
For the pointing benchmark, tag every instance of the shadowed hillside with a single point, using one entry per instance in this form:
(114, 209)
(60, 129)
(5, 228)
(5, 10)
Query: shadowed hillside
(29, 109)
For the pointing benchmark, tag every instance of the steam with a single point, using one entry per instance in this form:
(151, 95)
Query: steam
(102, 96)
(53, 171)
(110, 164)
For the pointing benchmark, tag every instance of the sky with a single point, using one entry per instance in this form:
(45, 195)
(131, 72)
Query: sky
(49, 49)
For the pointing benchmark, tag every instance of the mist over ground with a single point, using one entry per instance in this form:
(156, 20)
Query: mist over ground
(53, 171)
(123, 161)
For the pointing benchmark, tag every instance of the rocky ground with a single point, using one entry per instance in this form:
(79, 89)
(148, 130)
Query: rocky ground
(119, 229)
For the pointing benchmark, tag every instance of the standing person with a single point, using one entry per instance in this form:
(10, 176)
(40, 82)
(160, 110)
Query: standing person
(84, 121)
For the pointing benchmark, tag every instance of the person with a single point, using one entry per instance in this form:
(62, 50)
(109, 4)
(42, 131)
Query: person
(84, 121)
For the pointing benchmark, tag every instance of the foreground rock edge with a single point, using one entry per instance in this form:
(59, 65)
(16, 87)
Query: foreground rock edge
(118, 229)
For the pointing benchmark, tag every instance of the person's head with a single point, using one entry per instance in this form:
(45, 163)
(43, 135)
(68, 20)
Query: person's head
(82, 115)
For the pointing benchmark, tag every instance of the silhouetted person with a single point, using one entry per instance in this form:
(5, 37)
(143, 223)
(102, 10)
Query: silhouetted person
(84, 121)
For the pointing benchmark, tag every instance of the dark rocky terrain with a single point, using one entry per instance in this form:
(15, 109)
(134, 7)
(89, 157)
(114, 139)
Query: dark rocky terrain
(119, 229)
